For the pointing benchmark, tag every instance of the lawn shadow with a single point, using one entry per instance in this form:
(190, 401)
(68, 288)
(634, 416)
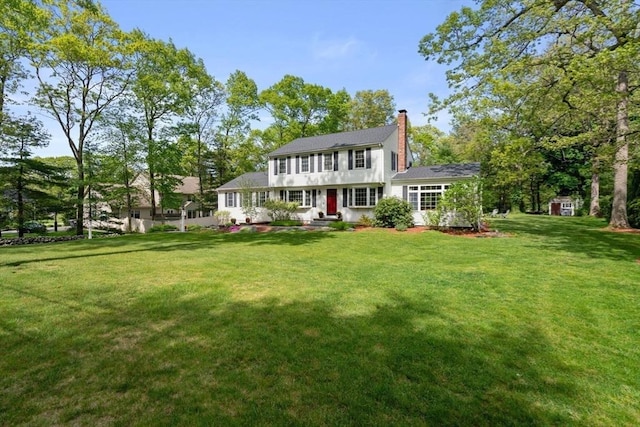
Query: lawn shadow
(175, 360)
(577, 235)
(164, 242)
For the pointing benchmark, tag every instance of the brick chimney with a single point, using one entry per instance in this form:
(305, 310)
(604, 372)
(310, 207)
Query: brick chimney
(402, 140)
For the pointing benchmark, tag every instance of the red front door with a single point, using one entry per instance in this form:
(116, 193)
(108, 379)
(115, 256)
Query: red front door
(332, 201)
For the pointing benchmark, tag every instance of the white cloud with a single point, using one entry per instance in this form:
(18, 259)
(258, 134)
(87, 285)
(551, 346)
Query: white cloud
(335, 48)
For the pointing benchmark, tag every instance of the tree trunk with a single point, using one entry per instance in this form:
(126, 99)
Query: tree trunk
(594, 207)
(80, 201)
(619, 206)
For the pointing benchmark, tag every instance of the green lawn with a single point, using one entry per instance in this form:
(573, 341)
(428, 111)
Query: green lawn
(337, 328)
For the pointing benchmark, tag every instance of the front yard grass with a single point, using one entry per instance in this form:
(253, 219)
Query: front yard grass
(337, 328)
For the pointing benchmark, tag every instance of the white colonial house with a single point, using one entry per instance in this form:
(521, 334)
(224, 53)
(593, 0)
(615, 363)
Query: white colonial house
(344, 174)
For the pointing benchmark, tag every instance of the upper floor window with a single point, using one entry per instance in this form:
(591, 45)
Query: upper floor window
(359, 159)
(328, 162)
(304, 164)
(282, 165)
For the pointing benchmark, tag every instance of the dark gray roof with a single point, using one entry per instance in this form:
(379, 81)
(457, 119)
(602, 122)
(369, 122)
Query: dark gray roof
(336, 140)
(460, 170)
(250, 179)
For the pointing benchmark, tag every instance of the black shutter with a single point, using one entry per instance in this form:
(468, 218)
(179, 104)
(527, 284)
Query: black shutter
(335, 160)
(405, 193)
(368, 157)
(275, 166)
(319, 162)
(313, 198)
(281, 194)
(350, 159)
(289, 164)
(297, 164)
(380, 190)
(311, 159)
(345, 196)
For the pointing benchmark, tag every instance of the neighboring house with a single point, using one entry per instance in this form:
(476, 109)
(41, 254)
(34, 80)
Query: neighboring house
(564, 205)
(345, 172)
(186, 189)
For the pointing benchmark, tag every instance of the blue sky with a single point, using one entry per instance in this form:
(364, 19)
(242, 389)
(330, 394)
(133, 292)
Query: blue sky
(350, 44)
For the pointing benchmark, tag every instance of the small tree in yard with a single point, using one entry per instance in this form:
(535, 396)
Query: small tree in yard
(392, 211)
(461, 203)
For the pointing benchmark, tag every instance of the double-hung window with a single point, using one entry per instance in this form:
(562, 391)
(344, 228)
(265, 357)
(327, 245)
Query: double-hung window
(304, 164)
(328, 161)
(359, 159)
(363, 196)
(282, 165)
(230, 197)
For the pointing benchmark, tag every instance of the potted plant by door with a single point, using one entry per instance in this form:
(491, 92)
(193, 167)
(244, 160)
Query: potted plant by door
(320, 214)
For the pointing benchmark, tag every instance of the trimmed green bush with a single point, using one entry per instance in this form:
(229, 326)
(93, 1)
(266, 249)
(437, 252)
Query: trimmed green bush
(391, 211)
(340, 225)
(279, 210)
(163, 227)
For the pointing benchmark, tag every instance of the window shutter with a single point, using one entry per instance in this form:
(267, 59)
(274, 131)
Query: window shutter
(297, 164)
(313, 198)
(405, 193)
(380, 190)
(319, 162)
(368, 158)
(335, 160)
(281, 194)
(235, 200)
(289, 164)
(275, 166)
(311, 159)
(345, 196)
(350, 159)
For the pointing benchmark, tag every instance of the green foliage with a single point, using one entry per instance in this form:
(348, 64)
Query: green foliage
(401, 226)
(369, 109)
(391, 211)
(460, 205)
(194, 227)
(340, 225)
(633, 213)
(162, 228)
(280, 210)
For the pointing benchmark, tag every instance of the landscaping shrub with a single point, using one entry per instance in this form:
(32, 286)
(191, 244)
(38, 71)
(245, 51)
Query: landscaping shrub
(365, 221)
(340, 225)
(391, 211)
(162, 228)
(194, 227)
(279, 210)
(401, 226)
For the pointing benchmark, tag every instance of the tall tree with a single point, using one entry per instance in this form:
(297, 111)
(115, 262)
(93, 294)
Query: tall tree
(371, 108)
(81, 64)
(166, 83)
(199, 133)
(23, 178)
(234, 129)
(584, 36)
(301, 109)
